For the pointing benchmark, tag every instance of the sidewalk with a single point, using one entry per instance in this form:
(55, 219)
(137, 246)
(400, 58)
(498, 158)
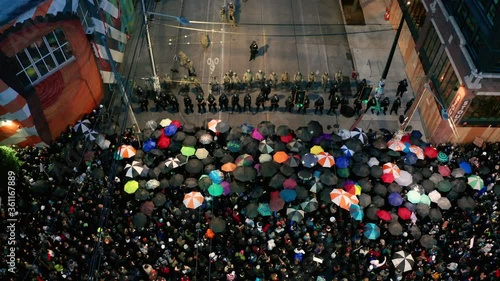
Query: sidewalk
(370, 46)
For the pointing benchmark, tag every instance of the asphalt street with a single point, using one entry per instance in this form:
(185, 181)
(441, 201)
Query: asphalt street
(293, 35)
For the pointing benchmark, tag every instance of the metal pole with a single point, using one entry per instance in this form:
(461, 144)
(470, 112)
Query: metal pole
(393, 48)
(155, 80)
(414, 106)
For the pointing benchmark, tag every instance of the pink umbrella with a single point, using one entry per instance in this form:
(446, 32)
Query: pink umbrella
(147, 208)
(444, 170)
(225, 186)
(289, 183)
(257, 135)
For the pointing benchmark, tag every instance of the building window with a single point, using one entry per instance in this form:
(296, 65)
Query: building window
(431, 48)
(417, 14)
(483, 110)
(43, 57)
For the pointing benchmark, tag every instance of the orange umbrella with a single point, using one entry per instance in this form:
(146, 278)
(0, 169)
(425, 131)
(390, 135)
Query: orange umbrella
(343, 199)
(280, 157)
(126, 151)
(391, 168)
(193, 200)
(228, 167)
(396, 145)
(210, 234)
(325, 159)
(418, 151)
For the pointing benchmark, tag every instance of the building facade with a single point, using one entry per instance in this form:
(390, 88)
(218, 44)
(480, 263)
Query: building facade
(55, 63)
(453, 46)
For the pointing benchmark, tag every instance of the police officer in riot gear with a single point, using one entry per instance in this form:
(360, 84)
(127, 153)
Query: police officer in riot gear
(274, 103)
(259, 101)
(319, 105)
(223, 102)
(247, 102)
(188, 105)
(212, 106)
(201, 103)
(334, 105)
(174, 103)
(289, 104)
(235, 103)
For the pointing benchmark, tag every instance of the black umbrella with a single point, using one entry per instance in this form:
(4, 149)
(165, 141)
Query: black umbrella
(336, 138)
(378, 201)
(190, 141)
(179, 136)
(139, 220)
(236, 187)
(315, 128)
(354, 144)
(376, 171)
(380, 189)
(97, 173)
(194, 166)
(190, 183)
(458, 185)
(395, 228)
(245, 173)
(324, 195)
(383, 158)
(266, 128)
(466, 203)
(428, 185)
(302, 192)
(218, 225)
(251, 147)
(234, 134)
(427, 241)
(347, 111)
(361, 157)
(256, 192)
(251, 210)
(208, 160)
(426, 172)
(227, 158)
(164, 183)
(423, 210)
(188, 127)
(328, 178)
(204, 182)
(366, 185)
(364, 200)
(380, 144)
(303, 134)
(141, 194)
(159, 199)
(361, 169)
(287, 170)
(415, 232)
(176, 180)
(219, 153)
(283, 130)
(60, 192)
(268, 169)
(371, 213)
(208, 168)
(435, 215)
(277, 180)
(394, 187)
(41, 187)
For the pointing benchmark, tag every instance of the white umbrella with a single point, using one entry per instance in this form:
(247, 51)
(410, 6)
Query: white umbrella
(201, 153)
(344, 134)
(172, 163)
(373, 162)
(165, 122)
(403, 261)
(434, 196)
(152, 184)
(151, 124)
(404, 178)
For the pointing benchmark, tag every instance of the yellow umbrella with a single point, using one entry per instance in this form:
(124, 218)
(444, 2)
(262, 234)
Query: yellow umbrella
(316, 150)
(131, 186)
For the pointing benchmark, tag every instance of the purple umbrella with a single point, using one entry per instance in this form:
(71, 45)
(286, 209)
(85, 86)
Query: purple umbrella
(395, 199)
(225, 186)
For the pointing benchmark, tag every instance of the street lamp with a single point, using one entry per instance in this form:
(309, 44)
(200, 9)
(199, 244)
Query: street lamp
(155, 81)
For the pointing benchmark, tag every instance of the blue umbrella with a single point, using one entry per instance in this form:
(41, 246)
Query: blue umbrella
(410, 158)
(342, 162)
(356, 212)
(149, 145)
(288, 195)
(416, 134)
(170, 130)
(246, 128)
(216, 176)
(309, 160)
(371, 231)
(395, 199)
(346, 151)
(234, 145)
(466, 167)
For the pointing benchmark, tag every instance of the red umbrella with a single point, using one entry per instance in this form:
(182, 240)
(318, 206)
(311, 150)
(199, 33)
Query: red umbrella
(286, 139)
(406, 138)
(404, 213)
(289, 183)
(387, 178)
(276, 204)
(177, 123)
(444, 170)
(163, 142)
(431, 152)
(384, 215)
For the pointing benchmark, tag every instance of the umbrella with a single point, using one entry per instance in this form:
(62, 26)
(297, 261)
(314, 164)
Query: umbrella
(228, 167)
(282, 130)
(91, 135)
(295, 214)
(466, 203)
(415, 232)
(293, 161)
(257, 135)
(404, 178)
(423, 209)
(365, 200)
(315, 128)
(373, 162)
(245, 174)
(387, 178)
(434, 196)
(344, 134)
(251, 210)
(246, 128)
(236, 187)
(371, 231)
(147, 208)
(264, 209)
(396, 145)
(427, 241)
(444, 203)
(194, 166)
(266, 128)
(342, 162)
(316, 149)
(170, 130)
(309, 160)
(276, 203)
(190, 183)
(289, 183)
(193, 200)
(476, 182)
(430, 152)
(151, 124)
(188, 151)
(356, 212)
(234, 145)
(82, 126)
(384, 215)
(410, 158)
(458, 173)
(133, 170)
(310, 205)
(403, 261)
(346, 151)
(361, 169)
(435, 215)
(201, 153)
(444, 186)
(139, 220)
(126, 151)
(436, 178)
(361, 157)
(159, 199)
(218, 225)
(444, 170)
(343, 198)
(149, 145)
(442, 157)
(391, 168)
(131, 186)
(404, 213)
(244, 160)
(165, 122)
(413, 196)
(288, 195)
(172, 163)
(152, 184)
(395, 228)
(395, 199)
(222, 127)
(216, 176)
(212, 124)
(418, 151)
(268, 169)
(163, 142)
(328, 178)
(280, 157)
(294, 145)
(466, 167)
(352, 187)
(303, 134)
(206, 139)
(266, 146)
(190, 141)
(215, 189)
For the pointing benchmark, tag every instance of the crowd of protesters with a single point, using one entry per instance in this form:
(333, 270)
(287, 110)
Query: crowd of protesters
(68, 231)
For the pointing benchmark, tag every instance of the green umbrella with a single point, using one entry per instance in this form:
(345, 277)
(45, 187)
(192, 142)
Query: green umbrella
(476, 182)
(444, 186)
(188, 151)
(264, 209)
(442, 157)
(424, 199)
(413, 196)
(215, 189)
(131, 186)
(343, 172)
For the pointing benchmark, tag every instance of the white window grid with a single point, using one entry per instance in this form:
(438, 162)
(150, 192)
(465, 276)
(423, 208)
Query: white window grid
(34, 71)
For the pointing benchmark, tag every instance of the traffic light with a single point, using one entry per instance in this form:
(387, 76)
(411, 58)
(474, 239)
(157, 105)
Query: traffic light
(299, 99)
(366, 92)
